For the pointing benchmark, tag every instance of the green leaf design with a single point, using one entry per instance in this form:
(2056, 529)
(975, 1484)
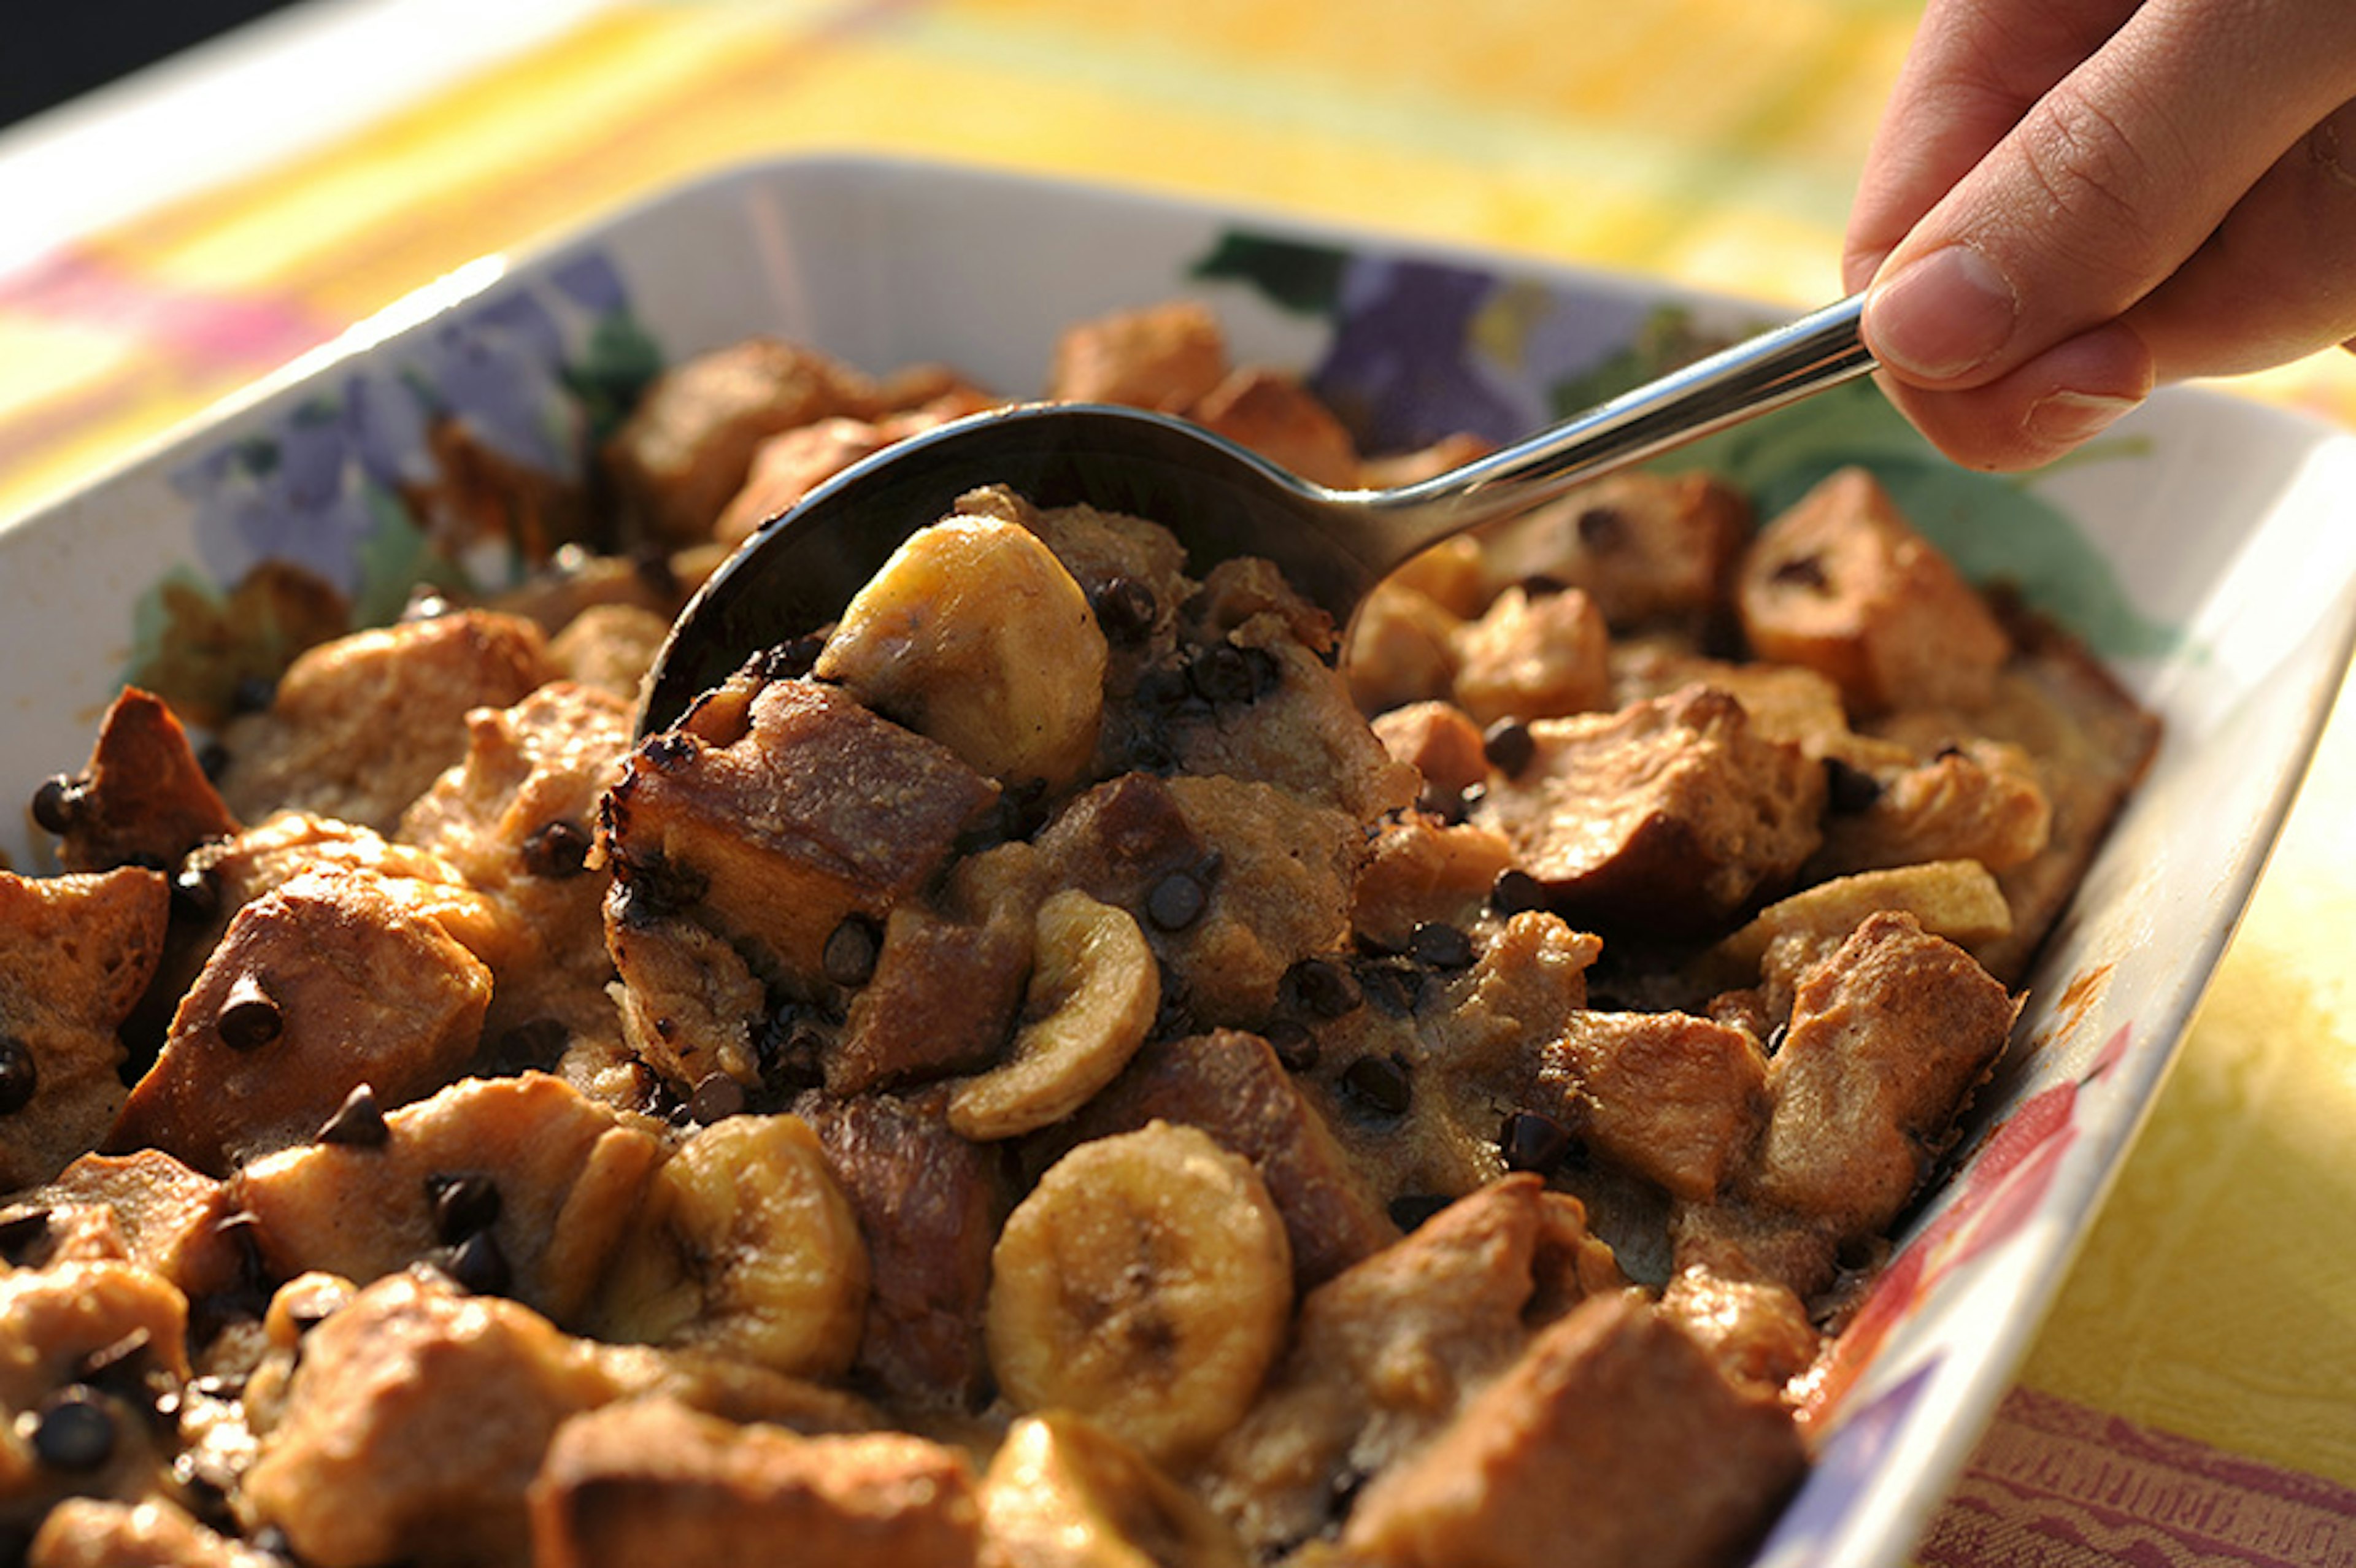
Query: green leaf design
(615, 366)
(1303, 278)
(1665, 340)
(396, 558)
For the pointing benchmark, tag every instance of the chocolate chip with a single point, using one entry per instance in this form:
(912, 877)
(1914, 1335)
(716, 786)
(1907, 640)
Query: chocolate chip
(656, 885)
(1222, 673)
(359, 1122)
(1391, 986)
(716, 1098)
(792, 660)
(1150, 752)
(20, 1075)
(653, 1096)
(1161, 687)
(1541, 585)
(196, 893)
(1440, 944)
(786, 1049)
(1176, 901)
(1380, 1084)
(1126, 609)
(1775, 1038)
(1532, 1140)
(252, 694)
(1848, 790)
(852, 951)
(666, 750)
(1409, 1211)
(478, 1265)
(557, 850)
(1515, 891)
(1267, 673)
(249, 1018)
(1295, 1046)
(1321, 988)
(58, 802)
(1509, 746)
(74, 1431)
(1801, 572)
(464, 1206)
(1602, 528)
(534, 1045)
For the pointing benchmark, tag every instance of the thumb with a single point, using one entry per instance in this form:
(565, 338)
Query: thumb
(2105, 186)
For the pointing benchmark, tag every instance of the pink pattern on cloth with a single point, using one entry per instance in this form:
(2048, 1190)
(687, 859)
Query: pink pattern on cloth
(2054, 1484)
(215, 330)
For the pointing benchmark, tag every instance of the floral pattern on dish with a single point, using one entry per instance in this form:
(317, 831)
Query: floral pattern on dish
(1420, 349)
(457, 464)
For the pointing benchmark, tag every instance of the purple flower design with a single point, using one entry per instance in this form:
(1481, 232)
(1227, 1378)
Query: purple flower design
(386, 419)
(288, 495)
(314, 486)
(498, 368)
(590, 284)
(1400, 368)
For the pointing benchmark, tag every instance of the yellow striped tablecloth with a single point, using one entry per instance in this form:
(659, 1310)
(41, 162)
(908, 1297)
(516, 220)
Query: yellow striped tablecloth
(2192, 1399)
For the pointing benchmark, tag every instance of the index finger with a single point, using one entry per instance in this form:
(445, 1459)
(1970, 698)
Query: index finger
(2107, 185)
(1975, 69)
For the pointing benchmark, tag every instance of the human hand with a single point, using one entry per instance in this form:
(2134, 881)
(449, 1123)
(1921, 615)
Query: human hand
(2070, 200)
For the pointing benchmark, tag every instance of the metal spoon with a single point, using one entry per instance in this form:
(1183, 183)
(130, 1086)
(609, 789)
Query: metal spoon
(798, 570)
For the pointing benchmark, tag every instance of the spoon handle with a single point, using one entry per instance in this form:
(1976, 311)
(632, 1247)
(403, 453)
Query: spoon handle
(1765, 372)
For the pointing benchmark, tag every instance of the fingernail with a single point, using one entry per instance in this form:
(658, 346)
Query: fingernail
(2065, 418)
(1942, 316)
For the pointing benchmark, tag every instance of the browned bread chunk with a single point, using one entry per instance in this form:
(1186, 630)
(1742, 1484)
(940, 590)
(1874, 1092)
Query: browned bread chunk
(780, 809)
(363, 725)
(1613, 1443)
(1843, 584)
(651, 1481)
(324, 985)
(687, 447)
(76, 952)
(144, 799)
(1672, 813)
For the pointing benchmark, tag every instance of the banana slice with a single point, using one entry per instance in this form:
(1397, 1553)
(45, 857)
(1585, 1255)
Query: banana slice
(746, 1245)
(1062, 1492)
(1146, 1282)
(974, 635)
(1094, 980)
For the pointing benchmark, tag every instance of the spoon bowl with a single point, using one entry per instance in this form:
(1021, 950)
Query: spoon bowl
(796, 573)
